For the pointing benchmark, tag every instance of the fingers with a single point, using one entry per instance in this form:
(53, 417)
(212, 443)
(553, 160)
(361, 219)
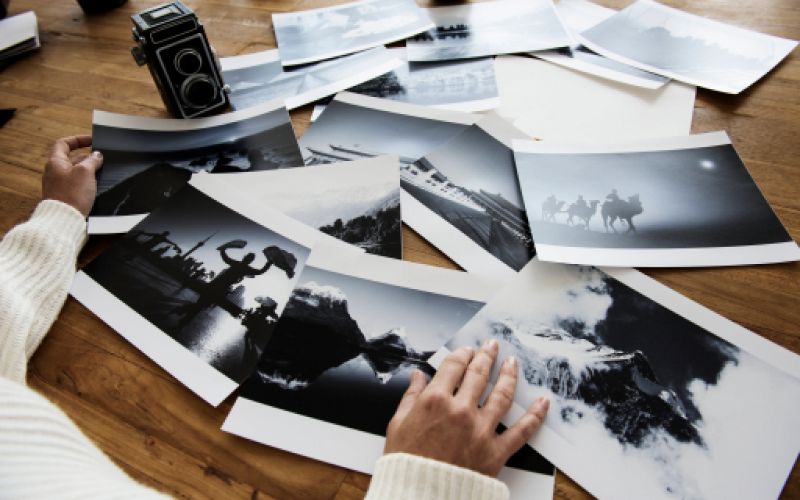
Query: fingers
(78, 158)
(520, 433)
(93, 161)
(478, 373)
(502, 396)
(415, 388)
(452, 369)
(65, 145)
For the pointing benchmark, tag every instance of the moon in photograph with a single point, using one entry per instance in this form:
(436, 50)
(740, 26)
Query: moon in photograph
(707, 164)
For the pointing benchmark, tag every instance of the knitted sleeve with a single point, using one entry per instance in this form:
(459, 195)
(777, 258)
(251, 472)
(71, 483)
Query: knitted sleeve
(42, 453)
(400, 475)
(37, 262)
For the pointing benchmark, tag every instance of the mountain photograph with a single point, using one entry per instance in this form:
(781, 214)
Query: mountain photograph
(652, 396)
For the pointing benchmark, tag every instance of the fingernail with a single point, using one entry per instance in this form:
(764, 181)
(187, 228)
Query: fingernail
(543, 403)
(511, 362)
(98, 155)
(491, 344)
(415, 376)
(469, 349)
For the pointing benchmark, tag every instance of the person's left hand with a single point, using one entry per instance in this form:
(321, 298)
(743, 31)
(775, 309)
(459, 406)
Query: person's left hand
(72, 180)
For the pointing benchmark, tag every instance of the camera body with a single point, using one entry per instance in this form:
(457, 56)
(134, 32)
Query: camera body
(173, 44)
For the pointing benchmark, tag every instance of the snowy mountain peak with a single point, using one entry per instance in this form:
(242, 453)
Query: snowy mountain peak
(316, 293)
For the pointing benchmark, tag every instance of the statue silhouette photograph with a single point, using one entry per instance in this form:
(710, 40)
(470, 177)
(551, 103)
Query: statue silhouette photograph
(677, 198)
(207, 277)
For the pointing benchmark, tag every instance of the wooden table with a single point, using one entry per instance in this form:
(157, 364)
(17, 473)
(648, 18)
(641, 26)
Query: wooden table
(164, 435)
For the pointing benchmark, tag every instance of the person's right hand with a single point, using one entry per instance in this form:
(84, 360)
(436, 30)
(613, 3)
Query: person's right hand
(72, 180)
(433, 423)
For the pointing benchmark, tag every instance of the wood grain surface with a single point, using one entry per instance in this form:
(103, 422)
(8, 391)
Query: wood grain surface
(164, 435)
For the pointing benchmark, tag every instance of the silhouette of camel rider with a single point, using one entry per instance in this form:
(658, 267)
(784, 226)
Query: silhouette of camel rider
(551, 199)
(613, 197)
(155, 240)
(222, 284)
(581, 202)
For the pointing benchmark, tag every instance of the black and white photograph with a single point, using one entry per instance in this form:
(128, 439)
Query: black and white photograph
(342, 354)
(199, 284)
(313, 35)
(357, 202)
(258, 78)
(147, 160)
(651, 395)
(354, 127)
(467, 199)
(488, 29)
(578, 16)
(463, 85)
(685, 201)
(689, 48)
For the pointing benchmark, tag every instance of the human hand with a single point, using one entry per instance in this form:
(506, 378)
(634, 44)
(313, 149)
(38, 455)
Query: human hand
(72, 180)
(433, 423)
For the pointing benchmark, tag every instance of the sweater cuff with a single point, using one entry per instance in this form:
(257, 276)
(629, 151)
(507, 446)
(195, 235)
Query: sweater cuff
(400, 475)
(61, 221)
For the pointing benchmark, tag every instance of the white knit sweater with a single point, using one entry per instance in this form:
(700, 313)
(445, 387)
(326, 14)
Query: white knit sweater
(43, 454)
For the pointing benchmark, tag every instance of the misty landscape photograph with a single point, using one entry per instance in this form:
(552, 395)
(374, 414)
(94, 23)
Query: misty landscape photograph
(435, 83)
(486, 29)
(633, 385)
(689, 47)
(357, 202)
(346, 132)
(313, 35)
(471, 182)
(685, 198)
(208, 277)
(345, 347)
(265, 81)
(143, 168)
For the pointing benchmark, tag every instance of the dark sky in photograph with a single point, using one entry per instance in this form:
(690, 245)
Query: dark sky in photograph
(476, 160)
(124, 139)
(697, 187)
(347, 125)
(429, 319)
(678, 350)
(190, 216)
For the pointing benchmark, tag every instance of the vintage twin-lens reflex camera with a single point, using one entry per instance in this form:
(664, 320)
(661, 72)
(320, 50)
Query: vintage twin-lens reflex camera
(173, 44)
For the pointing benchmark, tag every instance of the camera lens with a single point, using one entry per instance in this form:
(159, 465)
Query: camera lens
(188, 61)
(198, 91)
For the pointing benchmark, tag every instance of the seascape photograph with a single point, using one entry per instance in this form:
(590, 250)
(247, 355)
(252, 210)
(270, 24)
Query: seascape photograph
(487, 29)
(317, 34)
(686, 47)
(348, 131)
(357, 201)
(652, 398)
(147, 160)
(206, 276)
(260, 77)
(471, 183)
(677, 194)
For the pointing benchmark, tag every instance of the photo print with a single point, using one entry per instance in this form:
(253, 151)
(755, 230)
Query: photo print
(544, 101)
(355, 127)
(199, 284)
(464, 197)
(678, 201)
(689, 48)
(313, 35)
(465, 85)
(343, 352)
(260, 77)
(357, 202)
(487, 29)
(651, 395)
(578, 16)
(147, 160)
